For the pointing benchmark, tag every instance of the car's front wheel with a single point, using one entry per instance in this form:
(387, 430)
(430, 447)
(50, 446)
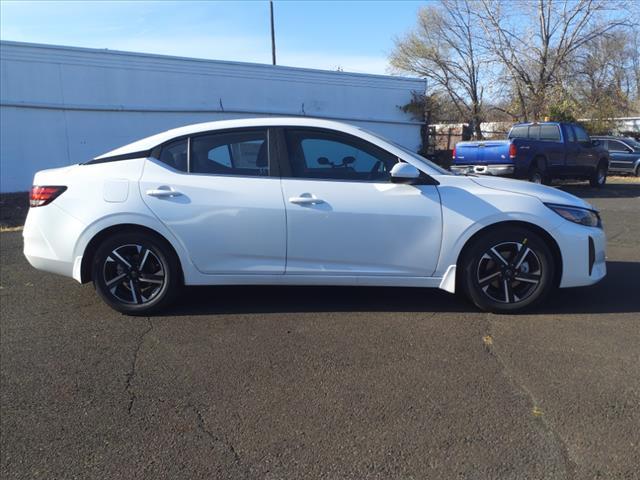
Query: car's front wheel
(507, 269)
(135, 273)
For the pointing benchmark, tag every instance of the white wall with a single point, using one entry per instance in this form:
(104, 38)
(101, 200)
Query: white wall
(62, 105)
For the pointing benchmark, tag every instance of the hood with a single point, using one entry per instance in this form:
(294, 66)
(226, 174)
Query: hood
(542, 192)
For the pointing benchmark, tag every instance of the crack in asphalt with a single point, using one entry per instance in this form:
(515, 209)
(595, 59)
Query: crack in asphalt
(202, 426)
(512, 377)
(133, 366)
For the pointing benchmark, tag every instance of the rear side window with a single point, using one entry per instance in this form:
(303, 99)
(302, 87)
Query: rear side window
(328, 155)
(615, 146)
(174, 154)
(232, 153)
(550, 133)
(519, 131)
(571, 137)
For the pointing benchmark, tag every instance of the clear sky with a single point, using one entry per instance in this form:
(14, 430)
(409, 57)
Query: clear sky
(355, 36)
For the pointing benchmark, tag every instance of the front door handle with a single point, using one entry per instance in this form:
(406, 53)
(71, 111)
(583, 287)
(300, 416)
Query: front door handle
(306, 199)
(163, 192)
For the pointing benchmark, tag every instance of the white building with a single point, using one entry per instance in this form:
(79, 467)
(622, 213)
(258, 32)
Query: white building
(63, 105)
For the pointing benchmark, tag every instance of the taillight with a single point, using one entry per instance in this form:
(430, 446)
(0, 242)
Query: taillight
(43, 195)
(513, 150)
(453, 154)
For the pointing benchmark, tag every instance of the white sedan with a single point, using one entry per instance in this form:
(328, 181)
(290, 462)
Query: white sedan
(301, 201)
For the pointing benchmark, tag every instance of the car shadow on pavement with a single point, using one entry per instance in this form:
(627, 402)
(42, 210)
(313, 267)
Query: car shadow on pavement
(618, 190)
(306, 299)
(616, 293)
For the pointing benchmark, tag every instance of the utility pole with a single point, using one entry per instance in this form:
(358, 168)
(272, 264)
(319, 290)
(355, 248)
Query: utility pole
(273, 35)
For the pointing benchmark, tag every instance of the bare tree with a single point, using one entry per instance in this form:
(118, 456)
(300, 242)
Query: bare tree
(535, 41)
(444, 48)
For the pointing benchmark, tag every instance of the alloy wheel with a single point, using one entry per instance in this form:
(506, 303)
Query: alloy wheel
(133, 274)
(509, 272)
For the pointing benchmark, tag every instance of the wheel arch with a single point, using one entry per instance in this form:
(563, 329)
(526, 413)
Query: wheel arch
(539, 160)
(99, 237)
(548, 238)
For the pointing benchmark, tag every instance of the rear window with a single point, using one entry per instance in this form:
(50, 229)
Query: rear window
(550, 133)
(534, 132)
(519, 131)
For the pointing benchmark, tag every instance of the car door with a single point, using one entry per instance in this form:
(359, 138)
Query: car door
(572, 151)
(219, 195)
(586, 154)
(550, 142)
(621, 156)
(346, 217)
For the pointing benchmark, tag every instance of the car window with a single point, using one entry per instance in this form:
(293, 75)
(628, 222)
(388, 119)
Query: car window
(550, 133)
(615, 146)
(174, 154)
(334, 156)
(581, 135)
(231, 153)
(571, 137)
(519, 131)
(534, 132)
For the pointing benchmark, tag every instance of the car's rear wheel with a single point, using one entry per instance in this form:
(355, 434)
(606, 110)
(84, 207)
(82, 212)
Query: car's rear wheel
(599, 177)
(135, 273)
(537, 175)
(507, 269)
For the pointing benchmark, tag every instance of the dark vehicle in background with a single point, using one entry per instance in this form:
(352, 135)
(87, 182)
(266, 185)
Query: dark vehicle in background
(538, 152)
(624, 154)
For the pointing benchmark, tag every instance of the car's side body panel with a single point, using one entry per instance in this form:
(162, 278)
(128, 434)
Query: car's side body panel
(366, 228)
(624, 158)
(228, 224)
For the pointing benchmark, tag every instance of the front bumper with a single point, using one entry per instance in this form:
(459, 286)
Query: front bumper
(495, 169)
(583, 252)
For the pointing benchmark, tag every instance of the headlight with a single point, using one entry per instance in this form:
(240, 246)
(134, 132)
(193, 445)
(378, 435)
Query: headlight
(581, 216)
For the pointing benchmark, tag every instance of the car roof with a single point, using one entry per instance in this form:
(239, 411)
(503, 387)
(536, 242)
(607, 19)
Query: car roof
(153, 141)
(537, 123)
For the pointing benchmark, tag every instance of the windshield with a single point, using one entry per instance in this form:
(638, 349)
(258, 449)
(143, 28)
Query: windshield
(414, 155)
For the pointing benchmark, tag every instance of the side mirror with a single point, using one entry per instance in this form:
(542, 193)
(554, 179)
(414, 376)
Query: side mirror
(348, 160)
(323, 161)
(595, 143)
(404, 173)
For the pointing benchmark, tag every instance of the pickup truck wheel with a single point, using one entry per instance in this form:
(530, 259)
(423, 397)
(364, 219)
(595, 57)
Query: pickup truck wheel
(507, 269)
(599, 177)
(537, 176)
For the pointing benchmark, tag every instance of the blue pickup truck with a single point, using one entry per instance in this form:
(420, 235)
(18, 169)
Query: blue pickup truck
(538, 152)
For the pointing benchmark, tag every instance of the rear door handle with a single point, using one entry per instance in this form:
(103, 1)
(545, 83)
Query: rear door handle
(306, 199)
(163, 192)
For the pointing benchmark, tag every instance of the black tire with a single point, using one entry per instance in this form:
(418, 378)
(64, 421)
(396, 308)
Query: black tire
(537, 175)
(637, 171)
(136, 273)
(510, 283)
(599, 177)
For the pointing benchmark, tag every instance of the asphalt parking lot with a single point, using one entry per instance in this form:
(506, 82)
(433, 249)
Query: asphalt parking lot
(275, 383)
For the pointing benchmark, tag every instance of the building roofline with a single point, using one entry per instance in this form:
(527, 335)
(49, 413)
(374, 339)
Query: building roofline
(157, 56)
